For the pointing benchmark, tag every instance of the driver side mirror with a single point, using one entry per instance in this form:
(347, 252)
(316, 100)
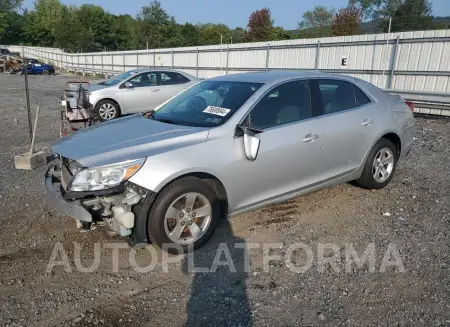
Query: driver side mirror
(251, 142)
(128, 85)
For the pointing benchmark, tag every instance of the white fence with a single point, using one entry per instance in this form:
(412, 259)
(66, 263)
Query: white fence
(417, 61)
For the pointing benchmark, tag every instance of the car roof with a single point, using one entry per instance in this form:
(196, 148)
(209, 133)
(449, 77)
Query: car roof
(270, 76)
(150, 69)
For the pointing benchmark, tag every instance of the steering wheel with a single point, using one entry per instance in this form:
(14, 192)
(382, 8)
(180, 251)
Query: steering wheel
(196, 104)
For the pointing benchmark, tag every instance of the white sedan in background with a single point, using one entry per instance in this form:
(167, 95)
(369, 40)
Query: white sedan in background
(137, 91)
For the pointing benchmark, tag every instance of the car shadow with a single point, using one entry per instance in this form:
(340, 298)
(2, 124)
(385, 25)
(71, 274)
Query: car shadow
(218, 295)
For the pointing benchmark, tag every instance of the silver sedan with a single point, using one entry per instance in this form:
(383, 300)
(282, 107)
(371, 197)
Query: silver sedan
(226, 146)
(137, 91)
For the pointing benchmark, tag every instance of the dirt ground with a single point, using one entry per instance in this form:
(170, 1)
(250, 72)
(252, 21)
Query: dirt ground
(407, 224)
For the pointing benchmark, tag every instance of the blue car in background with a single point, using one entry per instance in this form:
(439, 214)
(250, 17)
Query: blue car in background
(38, 68)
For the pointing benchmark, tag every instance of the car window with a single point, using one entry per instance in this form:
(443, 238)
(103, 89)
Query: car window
(286, 103)
(336, 95)
(206, 104)
(361, 98)
(144, 80)
(117, 79)
(171, 78)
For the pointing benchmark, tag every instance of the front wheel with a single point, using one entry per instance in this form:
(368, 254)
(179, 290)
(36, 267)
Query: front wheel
(107, 110)
(184, 215)
(380, 166)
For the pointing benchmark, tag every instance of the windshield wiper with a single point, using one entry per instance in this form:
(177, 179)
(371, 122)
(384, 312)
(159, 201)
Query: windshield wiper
(168, 121)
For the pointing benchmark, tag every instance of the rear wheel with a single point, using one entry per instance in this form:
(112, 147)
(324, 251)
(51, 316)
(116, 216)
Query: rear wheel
(184, 215)
(45, 72)
(107, 110)
(380, 166)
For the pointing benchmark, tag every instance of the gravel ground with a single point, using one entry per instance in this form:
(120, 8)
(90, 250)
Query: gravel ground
(408, 223)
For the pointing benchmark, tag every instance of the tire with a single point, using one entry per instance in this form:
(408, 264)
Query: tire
(176, 195)
(373, 178)
(45, 72)
(107, 110)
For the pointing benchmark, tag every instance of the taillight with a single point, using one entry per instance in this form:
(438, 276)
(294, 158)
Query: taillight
(410, 105)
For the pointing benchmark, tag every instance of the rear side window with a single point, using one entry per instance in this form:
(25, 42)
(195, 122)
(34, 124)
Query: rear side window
(171, 78)
(336, 95)
(361, 98)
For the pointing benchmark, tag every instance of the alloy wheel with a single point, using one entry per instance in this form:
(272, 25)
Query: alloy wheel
(188, 218)
(107, 111)
(383, 165)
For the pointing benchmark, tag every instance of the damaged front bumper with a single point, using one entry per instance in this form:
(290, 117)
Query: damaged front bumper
(56, 199)
(113, 206)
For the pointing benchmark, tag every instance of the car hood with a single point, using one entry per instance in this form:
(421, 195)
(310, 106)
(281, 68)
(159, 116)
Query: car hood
(96, 87)
(127, 138)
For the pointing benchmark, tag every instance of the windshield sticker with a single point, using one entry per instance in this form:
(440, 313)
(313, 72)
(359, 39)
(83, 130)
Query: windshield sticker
(218, 111)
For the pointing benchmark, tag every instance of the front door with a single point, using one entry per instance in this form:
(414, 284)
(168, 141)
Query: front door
(143, 96)
(290, 149)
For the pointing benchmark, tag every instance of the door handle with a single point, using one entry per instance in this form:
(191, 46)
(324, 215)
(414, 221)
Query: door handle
(367, 122)
(155, 90)
(310, 137)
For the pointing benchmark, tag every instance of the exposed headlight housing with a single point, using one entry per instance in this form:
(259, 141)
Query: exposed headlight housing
(104, 177)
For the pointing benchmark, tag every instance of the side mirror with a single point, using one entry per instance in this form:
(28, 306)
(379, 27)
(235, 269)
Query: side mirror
(128, 85)
(251, 142)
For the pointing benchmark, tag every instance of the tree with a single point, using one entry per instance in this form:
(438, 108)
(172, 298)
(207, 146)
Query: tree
(238, 35)
(9, 5)
(412, 15)
(260, 26)
(209, 34)
(7, 10)
(317, 22)
(40, 24)
(155, 14)
(347, 21)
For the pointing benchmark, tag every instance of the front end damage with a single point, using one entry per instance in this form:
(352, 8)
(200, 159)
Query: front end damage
(112, 206)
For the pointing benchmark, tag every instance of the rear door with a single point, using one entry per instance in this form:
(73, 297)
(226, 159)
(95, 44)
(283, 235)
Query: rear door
(349, 122)
(143, 95)
(170, 84)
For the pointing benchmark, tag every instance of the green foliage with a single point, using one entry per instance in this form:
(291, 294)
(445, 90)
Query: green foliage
(90, 28)
(316, 22)
(412, 15)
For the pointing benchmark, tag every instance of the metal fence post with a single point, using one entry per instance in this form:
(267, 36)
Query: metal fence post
(154, 59)
(196, 65)
(148, 58)
(101, 59)
(123, 59)
(78, 58)
(394, 62)
(137, 60)
(226, 63)
(85, 61)
(93, 64)
(173, 58)
(267, 57)
(316, 63)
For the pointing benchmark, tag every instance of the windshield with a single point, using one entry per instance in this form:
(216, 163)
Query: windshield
(206, 104)
(117, 79)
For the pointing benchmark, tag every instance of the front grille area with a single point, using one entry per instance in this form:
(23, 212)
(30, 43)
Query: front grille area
(66, 173)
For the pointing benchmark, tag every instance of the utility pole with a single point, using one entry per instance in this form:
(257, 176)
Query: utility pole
(231, 40)
(221, 44)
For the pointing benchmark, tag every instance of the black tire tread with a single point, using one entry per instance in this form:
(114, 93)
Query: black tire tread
(157, 235)
(366, 180)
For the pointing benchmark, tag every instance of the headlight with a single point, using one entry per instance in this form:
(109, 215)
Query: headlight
(105, 177)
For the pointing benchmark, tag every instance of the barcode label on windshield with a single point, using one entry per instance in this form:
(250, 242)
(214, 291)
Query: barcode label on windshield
(218, 111)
